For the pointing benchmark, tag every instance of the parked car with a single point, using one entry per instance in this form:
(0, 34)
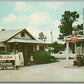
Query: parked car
(62, 55)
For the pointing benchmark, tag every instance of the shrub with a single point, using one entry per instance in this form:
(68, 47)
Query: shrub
(3, 52)
(42, 57)
(52, 58)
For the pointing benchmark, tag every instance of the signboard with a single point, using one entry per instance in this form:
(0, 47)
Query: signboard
(39, 44)
(7, 57)
(46, 46)
(74, 38)
(21, 58)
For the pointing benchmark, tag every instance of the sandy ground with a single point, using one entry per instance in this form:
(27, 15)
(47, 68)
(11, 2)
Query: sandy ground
(53, 72)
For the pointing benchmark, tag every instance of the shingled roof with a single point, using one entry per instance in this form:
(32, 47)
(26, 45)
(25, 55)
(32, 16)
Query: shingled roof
(7, 34)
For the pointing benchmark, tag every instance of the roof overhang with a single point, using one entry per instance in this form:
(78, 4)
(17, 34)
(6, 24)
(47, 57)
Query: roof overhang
(13, 40)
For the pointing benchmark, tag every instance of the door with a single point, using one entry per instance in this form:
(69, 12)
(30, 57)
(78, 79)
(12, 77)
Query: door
(27, 50)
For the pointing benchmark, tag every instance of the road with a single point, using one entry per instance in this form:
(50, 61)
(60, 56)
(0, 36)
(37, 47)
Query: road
(52, 72)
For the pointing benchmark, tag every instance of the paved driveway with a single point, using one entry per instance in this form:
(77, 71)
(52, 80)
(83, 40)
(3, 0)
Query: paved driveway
(53, 72)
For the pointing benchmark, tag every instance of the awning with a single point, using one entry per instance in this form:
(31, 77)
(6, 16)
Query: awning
(13, 40)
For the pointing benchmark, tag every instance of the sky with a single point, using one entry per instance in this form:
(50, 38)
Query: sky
(39, 16)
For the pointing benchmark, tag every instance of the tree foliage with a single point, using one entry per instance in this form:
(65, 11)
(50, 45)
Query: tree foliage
(68, 18)
(58, 47)
(78, 29)
(43, 57)
(42, 36)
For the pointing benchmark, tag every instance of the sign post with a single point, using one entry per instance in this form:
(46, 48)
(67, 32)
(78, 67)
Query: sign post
(74, 38)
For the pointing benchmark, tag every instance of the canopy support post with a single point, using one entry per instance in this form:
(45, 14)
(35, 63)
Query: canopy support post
(67, 53)
(75, 51)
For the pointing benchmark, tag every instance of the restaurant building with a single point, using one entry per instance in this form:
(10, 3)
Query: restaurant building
(22, 41)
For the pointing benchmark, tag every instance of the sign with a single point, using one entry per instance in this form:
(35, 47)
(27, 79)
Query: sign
(74, 38)
(39, 44)
(46, 46)
(7, 57)
(21, 58)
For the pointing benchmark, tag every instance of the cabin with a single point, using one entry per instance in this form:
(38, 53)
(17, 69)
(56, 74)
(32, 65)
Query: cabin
(21, 40)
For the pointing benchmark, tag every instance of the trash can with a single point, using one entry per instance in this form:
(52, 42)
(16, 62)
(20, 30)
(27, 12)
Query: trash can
(79, 61)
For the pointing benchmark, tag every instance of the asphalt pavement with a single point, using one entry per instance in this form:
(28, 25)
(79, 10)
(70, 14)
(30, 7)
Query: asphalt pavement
(52, 72)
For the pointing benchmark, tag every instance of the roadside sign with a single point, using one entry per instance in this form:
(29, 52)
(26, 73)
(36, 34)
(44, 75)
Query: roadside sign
(74, 38)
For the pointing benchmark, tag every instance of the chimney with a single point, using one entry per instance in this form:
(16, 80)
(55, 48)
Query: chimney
(2, 29)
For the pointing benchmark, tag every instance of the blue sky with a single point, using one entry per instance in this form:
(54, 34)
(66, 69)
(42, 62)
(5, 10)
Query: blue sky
(39, 16)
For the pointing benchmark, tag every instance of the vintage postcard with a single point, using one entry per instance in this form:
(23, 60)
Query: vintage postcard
(41, 41)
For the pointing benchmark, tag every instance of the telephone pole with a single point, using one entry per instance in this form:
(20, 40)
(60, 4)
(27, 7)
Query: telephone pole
(51, 40)
(51, 36)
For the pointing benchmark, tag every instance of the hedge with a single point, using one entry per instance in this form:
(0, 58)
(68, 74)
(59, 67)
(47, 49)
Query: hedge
(42, 57)
(3, 52)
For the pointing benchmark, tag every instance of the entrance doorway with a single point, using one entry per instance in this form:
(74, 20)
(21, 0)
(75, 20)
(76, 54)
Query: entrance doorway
(27, 50)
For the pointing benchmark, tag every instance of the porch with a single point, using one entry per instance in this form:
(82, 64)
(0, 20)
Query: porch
(27, 48)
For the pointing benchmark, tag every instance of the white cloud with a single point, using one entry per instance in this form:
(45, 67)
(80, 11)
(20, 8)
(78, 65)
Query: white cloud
(10, 18)
(13, 19)
(34, 19)
(23, 18)
(34, 23)
(22, 6)
(50, 4)
(40, 18)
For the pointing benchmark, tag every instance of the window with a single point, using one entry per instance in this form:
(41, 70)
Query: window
(22, 34)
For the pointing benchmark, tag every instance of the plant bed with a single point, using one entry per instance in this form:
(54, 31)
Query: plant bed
(3, 52)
